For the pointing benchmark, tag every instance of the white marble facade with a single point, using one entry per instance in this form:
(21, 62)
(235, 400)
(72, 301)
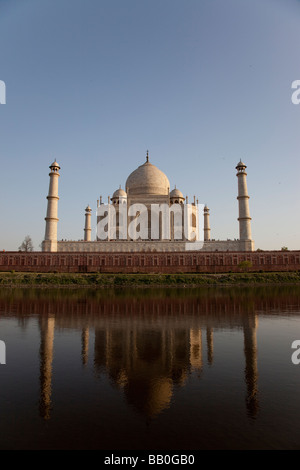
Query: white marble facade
(148, 187)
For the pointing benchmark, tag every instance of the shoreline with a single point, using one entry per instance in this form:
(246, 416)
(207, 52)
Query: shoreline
(97, 280)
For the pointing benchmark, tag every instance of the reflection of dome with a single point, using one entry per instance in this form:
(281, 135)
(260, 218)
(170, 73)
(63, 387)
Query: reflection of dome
(147, 179)
(149, 397)
(160, 396)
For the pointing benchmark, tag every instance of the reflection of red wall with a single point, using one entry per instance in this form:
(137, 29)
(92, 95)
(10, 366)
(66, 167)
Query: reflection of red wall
(228, 308)
(179, 262)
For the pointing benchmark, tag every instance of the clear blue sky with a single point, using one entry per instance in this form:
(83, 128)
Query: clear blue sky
(200, 83)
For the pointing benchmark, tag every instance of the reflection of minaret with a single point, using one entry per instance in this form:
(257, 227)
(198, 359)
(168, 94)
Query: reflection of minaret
(251, 371)
(85, 345)
(210, 345)
(46, 358)
(196, 349)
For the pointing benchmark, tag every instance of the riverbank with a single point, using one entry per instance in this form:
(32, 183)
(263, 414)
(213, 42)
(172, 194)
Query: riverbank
(13, 279)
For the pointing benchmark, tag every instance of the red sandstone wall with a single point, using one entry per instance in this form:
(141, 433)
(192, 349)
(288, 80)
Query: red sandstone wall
(183, 262)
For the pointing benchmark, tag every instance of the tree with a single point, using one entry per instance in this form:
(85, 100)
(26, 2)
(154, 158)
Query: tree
(27, 244)
(284, 248)
(245, 265)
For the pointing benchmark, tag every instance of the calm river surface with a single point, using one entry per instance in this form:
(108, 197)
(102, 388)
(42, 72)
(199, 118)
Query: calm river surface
(150, 369)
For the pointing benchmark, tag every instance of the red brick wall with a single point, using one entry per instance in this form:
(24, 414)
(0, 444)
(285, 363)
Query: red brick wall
(179, 262)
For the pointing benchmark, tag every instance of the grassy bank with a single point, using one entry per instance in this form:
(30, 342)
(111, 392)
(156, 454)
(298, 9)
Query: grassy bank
(143, 280)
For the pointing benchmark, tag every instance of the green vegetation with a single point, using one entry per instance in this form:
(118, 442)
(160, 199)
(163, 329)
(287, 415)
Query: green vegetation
(245, 265)
(14, 279)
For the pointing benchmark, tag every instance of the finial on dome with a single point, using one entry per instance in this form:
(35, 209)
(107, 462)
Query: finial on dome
(147, 156)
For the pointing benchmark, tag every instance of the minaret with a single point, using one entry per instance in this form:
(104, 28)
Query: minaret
(206, 224)
(50, 242)
(88, 226)
(244, 213)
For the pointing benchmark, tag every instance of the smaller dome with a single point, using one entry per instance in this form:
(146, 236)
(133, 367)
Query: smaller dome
(119, 193)
(176, 194)
(88, 209)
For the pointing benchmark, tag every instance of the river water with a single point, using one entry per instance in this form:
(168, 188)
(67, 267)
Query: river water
(167, 369)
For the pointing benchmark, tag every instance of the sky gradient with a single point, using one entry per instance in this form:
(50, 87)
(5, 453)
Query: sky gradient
(201, 84)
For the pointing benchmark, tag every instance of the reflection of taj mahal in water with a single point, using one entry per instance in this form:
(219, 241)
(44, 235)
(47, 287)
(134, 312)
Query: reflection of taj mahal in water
(148, 350)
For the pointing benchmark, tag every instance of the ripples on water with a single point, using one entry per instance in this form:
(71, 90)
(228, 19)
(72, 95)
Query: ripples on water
(150, 369)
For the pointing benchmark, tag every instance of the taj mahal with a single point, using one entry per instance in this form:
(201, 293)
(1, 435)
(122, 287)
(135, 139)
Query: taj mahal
(149, 188)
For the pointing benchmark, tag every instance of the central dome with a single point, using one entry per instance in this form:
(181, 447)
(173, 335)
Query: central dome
(147, 179)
